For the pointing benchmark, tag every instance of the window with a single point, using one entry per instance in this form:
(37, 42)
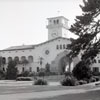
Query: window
(4, 60)
(23, 69)
(3, 69)
(50, 21)
(30, 59)
(9, 59)
(98, 61)
(60, 46)
(54, 22)
(64, 46)
(23, 58)
(57, 47)
(95, 69)
(94, 61)
(38, 69)
(30, 69)
(16, 59)
(57, 21)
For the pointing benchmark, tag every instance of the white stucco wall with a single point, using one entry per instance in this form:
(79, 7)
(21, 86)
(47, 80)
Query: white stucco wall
(37, 52)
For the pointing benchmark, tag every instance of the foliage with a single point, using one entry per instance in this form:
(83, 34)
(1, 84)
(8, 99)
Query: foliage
(11, 70)
(41, 73)
(97, 78)
(87, 28)
(2, 74)
(32, 74)
(68, 73)
(25, 73)
(40, 82)
(96, 73)
(23, 79)
(69, 81)
(47, 67)
(81, 82)
(92, 79)
(81, 71)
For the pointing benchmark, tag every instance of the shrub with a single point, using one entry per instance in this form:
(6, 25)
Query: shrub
(2, 74)
(11, 70)
(97, 78)
(81, 71)
(81, 82)
(67, 73)
(47, 67)
(24, 79)
(41, 74)
(25, 73)
(92, 79)
(69, 81)
(31, 74)
(40, 82)
(86, 79)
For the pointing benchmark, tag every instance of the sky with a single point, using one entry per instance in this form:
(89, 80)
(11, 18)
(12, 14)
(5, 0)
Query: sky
(23, 22)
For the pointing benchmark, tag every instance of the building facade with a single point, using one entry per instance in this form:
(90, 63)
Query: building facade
(52, 52)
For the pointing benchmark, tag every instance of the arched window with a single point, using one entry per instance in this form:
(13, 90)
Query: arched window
(30, 59)
(16, 59)
(4, 60)
(23, 58)
(9, 59)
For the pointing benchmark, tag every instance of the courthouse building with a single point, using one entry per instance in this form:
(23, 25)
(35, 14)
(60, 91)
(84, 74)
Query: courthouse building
(52, 52)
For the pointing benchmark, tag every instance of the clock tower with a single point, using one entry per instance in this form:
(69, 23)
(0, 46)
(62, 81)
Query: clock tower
(57, 27)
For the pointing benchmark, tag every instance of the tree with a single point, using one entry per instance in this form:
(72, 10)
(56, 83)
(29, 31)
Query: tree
(82, 71)
(87, 27)
(11, 70)
(47, 67)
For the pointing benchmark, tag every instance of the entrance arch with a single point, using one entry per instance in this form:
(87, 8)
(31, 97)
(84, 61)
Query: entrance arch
(64, 64)
(60, 62)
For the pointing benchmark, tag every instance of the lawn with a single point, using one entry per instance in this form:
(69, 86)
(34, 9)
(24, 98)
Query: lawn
(94, 95)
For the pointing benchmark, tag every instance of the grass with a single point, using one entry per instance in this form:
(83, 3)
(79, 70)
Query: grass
(93, 95)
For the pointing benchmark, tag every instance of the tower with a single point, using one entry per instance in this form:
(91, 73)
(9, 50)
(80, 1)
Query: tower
(57, 27)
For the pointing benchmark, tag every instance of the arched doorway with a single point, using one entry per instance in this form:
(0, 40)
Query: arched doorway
(60, 62)
(64, 64)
